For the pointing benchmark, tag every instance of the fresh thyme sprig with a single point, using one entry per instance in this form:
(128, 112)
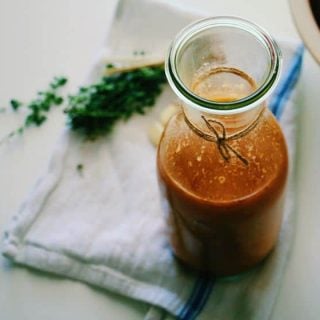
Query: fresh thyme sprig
(39, 107)
(96, 108)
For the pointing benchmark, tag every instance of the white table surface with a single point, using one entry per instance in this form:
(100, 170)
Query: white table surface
(42, 38)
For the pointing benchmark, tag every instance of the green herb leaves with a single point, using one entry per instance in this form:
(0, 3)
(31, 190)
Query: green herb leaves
(15, 104)
(58, 82)
(38, 108)
(95, 109)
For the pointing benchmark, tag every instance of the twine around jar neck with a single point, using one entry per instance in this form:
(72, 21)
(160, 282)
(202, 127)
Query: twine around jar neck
(221, 139)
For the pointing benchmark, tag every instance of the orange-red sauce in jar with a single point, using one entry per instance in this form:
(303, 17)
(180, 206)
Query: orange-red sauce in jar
(223, 215)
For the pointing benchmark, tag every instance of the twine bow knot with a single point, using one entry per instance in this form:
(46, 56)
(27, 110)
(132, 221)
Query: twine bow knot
(219, 136)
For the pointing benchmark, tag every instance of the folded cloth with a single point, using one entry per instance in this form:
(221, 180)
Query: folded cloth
(103, 224)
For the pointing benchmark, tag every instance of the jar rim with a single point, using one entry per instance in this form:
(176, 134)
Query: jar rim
(232, 107)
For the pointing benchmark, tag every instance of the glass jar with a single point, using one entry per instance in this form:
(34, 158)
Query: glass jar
(222, 161)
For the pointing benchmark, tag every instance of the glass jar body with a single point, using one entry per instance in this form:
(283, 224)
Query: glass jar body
(223, 201)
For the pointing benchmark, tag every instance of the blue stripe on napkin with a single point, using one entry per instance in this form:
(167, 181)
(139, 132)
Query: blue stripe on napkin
(197, 299)
(287, 84)
(204, 285)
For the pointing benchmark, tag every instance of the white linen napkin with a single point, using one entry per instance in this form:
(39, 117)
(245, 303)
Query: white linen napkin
(103, 224)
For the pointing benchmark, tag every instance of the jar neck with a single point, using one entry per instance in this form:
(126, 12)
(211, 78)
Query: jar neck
(219, 58)
(231, 123)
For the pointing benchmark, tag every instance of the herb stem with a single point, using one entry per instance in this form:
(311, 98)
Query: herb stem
(134, 65)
